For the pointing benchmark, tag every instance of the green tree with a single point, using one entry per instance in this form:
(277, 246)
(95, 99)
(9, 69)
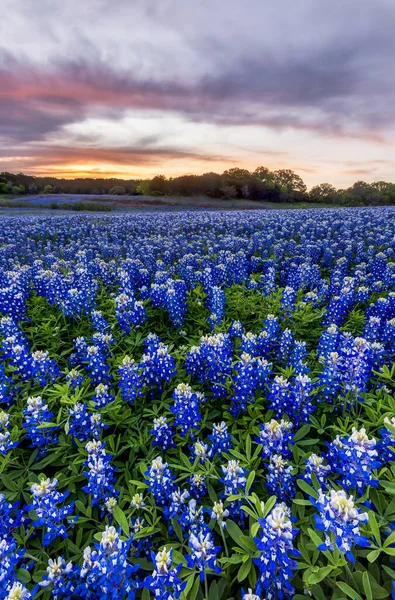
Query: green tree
(117, 190)
(286, 178)
(263, 174)
(48, 189)
(324, 192)
(158, 185)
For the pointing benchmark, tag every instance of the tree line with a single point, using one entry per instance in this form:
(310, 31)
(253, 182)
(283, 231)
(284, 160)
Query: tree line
(283, 185)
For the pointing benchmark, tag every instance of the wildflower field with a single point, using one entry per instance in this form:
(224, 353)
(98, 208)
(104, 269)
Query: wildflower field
(198, 406)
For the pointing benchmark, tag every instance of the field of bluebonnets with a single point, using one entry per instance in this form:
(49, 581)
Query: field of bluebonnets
(198, 406)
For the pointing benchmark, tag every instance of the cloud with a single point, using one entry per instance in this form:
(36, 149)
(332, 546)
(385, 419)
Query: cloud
(298, 73)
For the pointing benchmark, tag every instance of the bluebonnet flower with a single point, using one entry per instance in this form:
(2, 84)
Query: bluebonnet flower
(250, 595)
(75, 379)
(235, 330)
(137, 501)
(354, 458)
(10, 559)
(50, 515)
(279, 395)
(83, 425)
(130, 382)
(17, 591)
(219, 513)
(158, 366)
(198, 487)
(220, 439)
(296, 359)
(35, 416)
(199, 450)
(251, 375)
(279, 480)
(339, 519)
(160, 480)
(100, 474)
(286, 343)
(275, 437)
(203, 553)
(43, 368)
(234, 477)
(106, 571)
(102, 396)
(163, 432)
(315, 464)
(6, 443)
(288, 300)
(186, 408)
(7, 387)
(177, 507)
(129, 312)
(164, 582)
(97, 366)
(61, 577)
(98, 321)
(301, 406)
(211, 362)
(386, 447)
(275, 564)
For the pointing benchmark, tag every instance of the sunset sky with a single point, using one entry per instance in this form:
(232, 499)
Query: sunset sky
(133, 88)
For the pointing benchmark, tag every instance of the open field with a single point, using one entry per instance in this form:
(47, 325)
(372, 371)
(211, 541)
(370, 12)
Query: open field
(197, 404)
(111, 203)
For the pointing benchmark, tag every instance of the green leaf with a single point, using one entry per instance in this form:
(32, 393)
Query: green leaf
(373, 555)
(348, 590)
(23, 575)
(269, 505)
(390, 539)
(302, 432)
(244, 570)
(366, 586)
(388, 486)
(250, 481)
(121, 519)
(374, 527)
(306, 488)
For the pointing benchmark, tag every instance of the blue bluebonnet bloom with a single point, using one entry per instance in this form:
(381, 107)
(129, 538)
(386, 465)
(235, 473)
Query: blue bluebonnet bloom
(34, 417)
(100, 474)
(106, 571)
(130, 382)
(186, 408)
(219, 513)
(10, 559)
(354, 458)
(211, 362)
(279, 480)
(97, 367)
(61, 577)
(315, 464)
(75, 379)
(129, 312)
(251, 375)
(164, 582)
(220, 439)
(102, 396)
(43, 368)
(7, 387)
(50, 515)
(163, 432)
(234, 477)
(83, 425)
(288, 300)
(160, 480)
(157, 366)
(6, 443)
(275, 564)
(98, 321)
(198, 487)
(235, 330)
(249, 595)
(203, 553)
(386, 446)
(275, 437)
(339, 519)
